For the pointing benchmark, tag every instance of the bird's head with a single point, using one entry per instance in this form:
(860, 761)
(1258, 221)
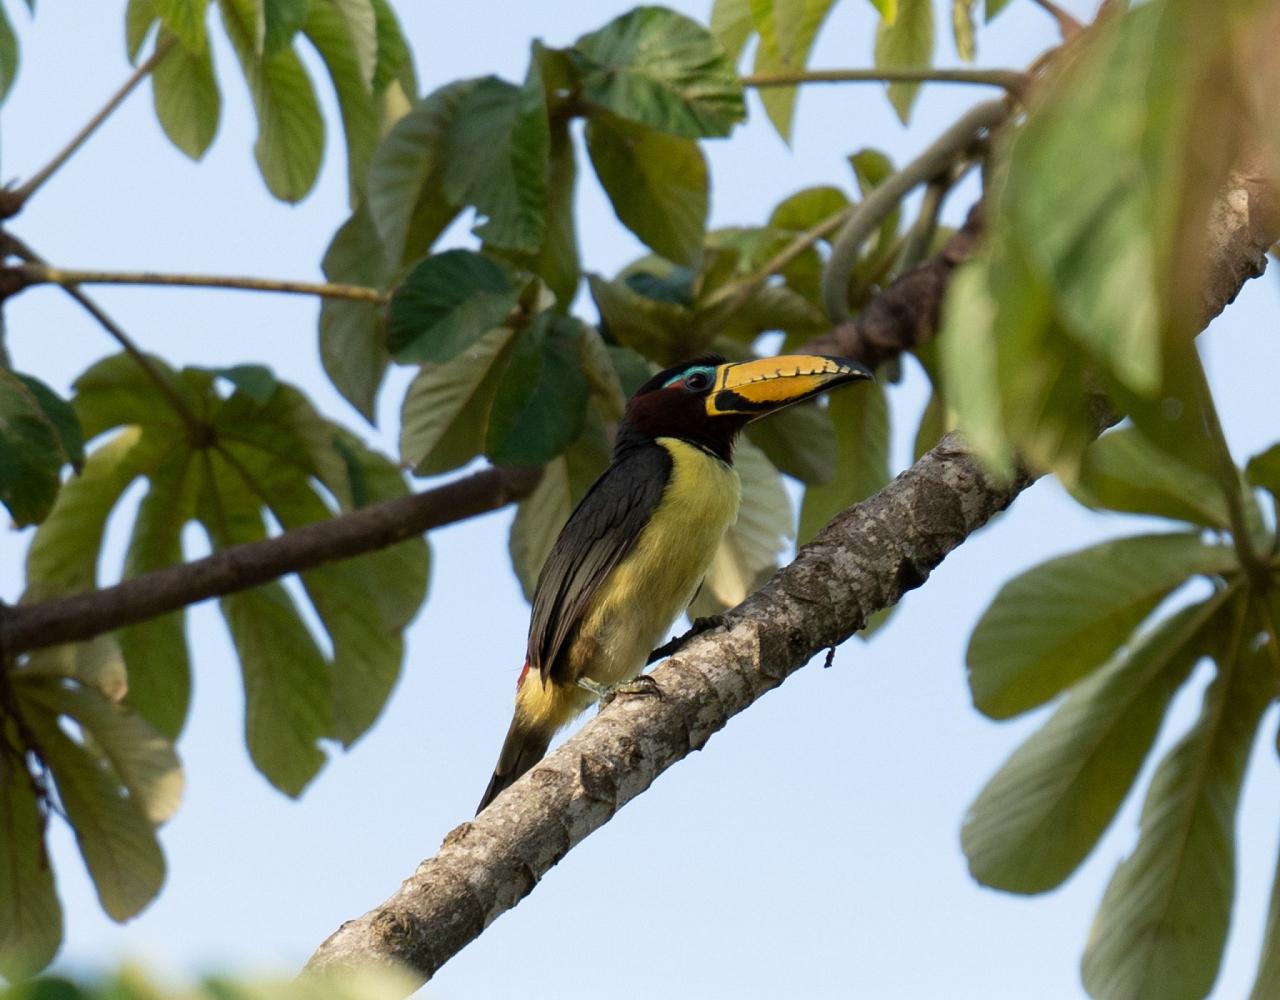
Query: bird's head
(708, 400)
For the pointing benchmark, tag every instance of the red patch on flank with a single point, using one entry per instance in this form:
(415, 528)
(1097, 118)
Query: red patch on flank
(523, 670)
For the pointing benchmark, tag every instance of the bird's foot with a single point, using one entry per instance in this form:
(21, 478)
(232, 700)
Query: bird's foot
(700, 625)
(642, 685)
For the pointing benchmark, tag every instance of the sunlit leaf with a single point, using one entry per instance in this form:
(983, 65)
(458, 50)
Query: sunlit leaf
(906, 42)
(962, 28)
(994, 7)
(786, 40)
(362, 29)
(95, 663)
(732, 25)
(282, 20)
(860, 416)
(187, 101)
(185, 18)
(139, 18)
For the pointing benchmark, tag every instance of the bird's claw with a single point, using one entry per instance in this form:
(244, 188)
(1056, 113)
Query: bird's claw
(642, 685)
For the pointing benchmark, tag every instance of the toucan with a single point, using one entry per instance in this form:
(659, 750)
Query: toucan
(633, 553)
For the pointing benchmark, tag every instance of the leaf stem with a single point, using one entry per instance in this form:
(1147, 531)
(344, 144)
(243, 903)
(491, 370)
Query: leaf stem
(1011, 80)
(193, 423)
(871, 211)
(12, 201)
(41, 274)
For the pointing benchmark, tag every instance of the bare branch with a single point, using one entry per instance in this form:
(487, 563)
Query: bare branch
(1010, 79)
(82, 616)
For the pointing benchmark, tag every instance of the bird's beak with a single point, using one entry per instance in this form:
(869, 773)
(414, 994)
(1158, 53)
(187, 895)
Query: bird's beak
(754, 388)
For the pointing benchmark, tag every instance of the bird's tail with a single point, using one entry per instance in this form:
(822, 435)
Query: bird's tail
(522, 748)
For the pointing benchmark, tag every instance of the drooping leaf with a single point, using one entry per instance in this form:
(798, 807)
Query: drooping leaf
(185, 18)
(445, 414)
(352, 334)
(31, 452)
(362, 28)
(889, 9)
(1163, 920)
(1264, 470)
(281, 21)
(187, 101)
(661, 69)
(139, 18)
(395, 61)
(30, 915)
(558, 262)
(498, 145)
(786, 40)
(541, 399)
(1055, 623)
(258, 382)
(10, 57)
(61, 417)
(732, 25)
(446, 304)
(656, 182)
(800, 441)
(658, 330)
(749, 551)
(1042, 813)
(906, 42)
(290, 143)
(994, 7)
(860, 417)
(962, 28)
(96, 663)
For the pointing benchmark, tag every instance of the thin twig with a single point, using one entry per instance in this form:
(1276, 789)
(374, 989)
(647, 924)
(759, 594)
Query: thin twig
(1011, 80)
(871, 211)
(40, 274)
(20, 249)
(12, 201)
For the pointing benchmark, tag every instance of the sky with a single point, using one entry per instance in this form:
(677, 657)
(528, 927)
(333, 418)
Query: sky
(813, 848)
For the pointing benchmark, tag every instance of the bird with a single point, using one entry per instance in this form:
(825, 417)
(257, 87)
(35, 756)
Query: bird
(632, 555)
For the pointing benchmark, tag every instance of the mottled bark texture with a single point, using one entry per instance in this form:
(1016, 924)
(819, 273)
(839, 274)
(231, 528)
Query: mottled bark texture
(863, 561)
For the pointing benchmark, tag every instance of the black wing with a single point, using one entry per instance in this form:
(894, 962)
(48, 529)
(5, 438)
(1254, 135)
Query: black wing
(598, 534)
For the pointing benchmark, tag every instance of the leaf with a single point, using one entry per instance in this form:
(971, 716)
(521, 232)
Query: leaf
(185, 18)
(61, 417)
(406, 176)
(139, 18)
(1123, 471)
(657, 330)
(860, 417)
(395, 62)
(1268, 978)
(1163, 920)
(1055, 623)
(889, 8)
(117, 842)
(962, 28)
(498, 143)
(352, 334)
(95, 663)
(290, 143)
(541, 515)
(187, 102)
(446, 409)
(362, 28)
(800, 441)
(330, 31)
(542, 397)
(657, 184)
(808, 207)
(282, 20)
(30, 916)
(1042, 813)
(933, 424)
(906, 42)
(31, 452)
(1264, 470)
(558, 262)
(661, 69)
(748, 553)
(258, 382)
(446, 304)
(994, 7)
(732, 26)
(785, 45)
(10, 58)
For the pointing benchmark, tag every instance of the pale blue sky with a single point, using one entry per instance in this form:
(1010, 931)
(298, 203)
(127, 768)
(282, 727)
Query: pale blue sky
(813, 849)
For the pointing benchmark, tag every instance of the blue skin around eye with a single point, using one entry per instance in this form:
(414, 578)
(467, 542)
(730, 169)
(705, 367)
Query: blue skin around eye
(708, 371)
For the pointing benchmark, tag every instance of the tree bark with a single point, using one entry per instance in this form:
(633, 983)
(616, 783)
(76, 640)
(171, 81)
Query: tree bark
(864, 560)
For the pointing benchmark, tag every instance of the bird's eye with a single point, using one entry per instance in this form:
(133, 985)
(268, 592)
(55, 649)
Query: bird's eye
(697, 380)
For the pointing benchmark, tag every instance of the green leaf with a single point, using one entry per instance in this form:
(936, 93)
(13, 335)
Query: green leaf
(95, 663)
(1123, 471)
(139, 18)
(800, 441)
(406, 176)
(541, 515)
(1267, 982)
(906, 42)
(352, 334)
(116, 840)
(558, 262)
(60, 415)
(187, 102)
(994, 7)
(962, 28)
(1264, 470)
(1042, 813)
(786, 41)
(541, 400)
(330, 31)
(290, 143)
(395, 61)
(732, 26)
(30, 916)
(861, 419)
(498, 144)
(362, 28)
(258, 382)
(656, 182)
(282, 20)
(808, 207)
(185, 18)
(933, 424)
(661, 69)
(446, 304)
(10, 57)
(31, 452)
(446, 410)
(658, 330)
(889, 9)
(1163, 920)
(749, 551)
(1055, 623)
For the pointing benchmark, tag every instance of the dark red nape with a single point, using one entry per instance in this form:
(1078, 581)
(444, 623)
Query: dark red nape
(659, 409)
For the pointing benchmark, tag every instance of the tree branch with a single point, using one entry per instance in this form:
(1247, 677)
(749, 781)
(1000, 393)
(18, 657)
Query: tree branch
(1010, 79)
(82, 616)
(26, 275)
(864, 560)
